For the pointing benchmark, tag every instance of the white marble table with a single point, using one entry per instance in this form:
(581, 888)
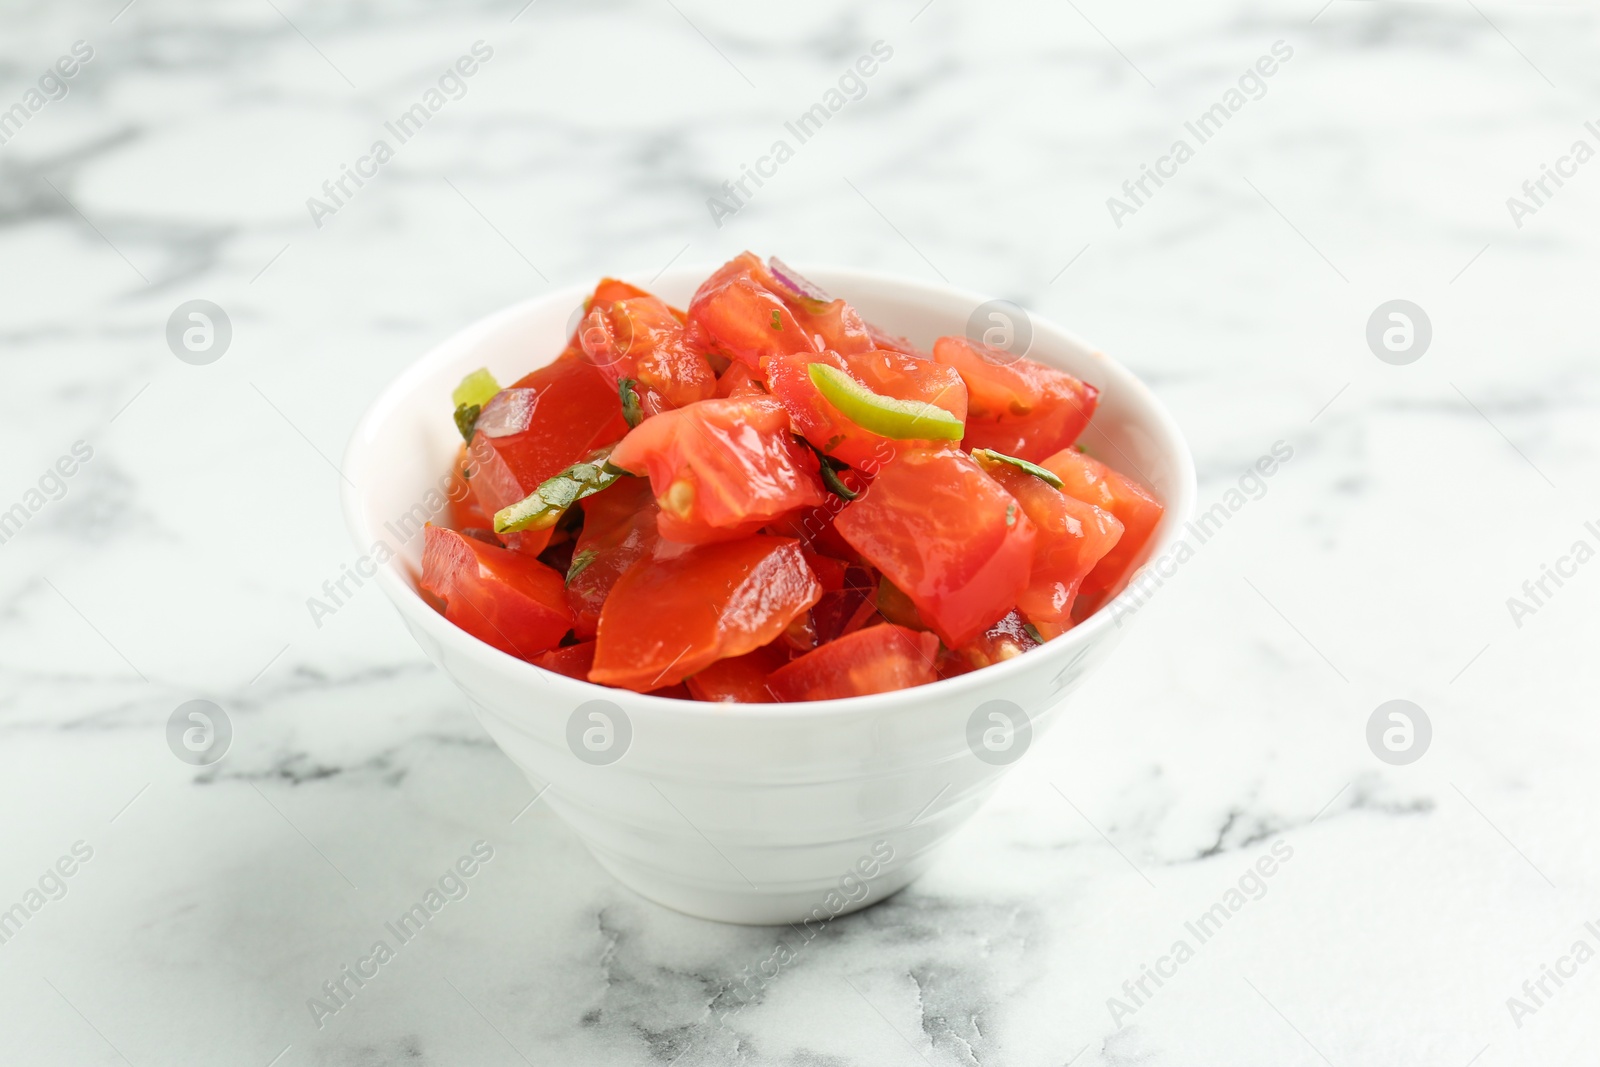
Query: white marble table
(1376, 564)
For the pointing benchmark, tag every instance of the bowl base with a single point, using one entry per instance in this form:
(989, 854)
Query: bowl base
(755, 906)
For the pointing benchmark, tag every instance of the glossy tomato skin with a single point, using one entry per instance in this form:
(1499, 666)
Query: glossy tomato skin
(464, 511)
(1015, 405)
(1134, 506)
(736, 313)
(1004, 640)
(503, 598)
(677, 611)
(573, 661)
(891, 374)
(740, 379)
(849, 607)
(876, 659)
(1073, 536)
(739, 680)
(946, 535)
(619, 529)
(721, 469)
(639, 338)
(539, 426)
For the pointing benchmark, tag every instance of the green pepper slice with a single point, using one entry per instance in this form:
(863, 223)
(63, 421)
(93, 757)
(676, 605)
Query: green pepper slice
(887, 416)
(543, 507)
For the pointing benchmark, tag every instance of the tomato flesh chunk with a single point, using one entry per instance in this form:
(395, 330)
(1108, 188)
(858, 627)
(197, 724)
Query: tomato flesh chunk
(740, 379)
(464, 512)
(503, 598)
(736, 313)
(721, 469)
(1016, 405)
(1087, 479)
(539, 426)
(1073, 537)
(887, 373)
(1004, 640)
(739, 680)
(619, 529)
(677, 611)
(947, 536)
(573, 661)
(877, 659)
(638, 337)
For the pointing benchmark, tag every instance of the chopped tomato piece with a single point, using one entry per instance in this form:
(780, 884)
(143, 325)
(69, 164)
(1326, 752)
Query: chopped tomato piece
(1073, 537)
(1005, 639)
(1015, 405)
(573, 661)
(832, 324)
(829, 571)
(896, 607)
(739, 680)
(539, 426)
(503, 598)
(1134, 506)
(814, 526)
(946, 534)
(679, 610)
(848, 608)
(890, 374)
(465, 514)
(735, 312)
(874, 660)
(619, 529)
(639, 338)
(740, 379)
(721, 469)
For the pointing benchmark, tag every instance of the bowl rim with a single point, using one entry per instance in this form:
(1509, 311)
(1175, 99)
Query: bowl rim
(1056, 652)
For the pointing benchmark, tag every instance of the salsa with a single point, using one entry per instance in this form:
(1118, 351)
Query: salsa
(765, 497)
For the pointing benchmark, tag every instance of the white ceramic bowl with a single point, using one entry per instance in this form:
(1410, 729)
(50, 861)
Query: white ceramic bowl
(762, 813)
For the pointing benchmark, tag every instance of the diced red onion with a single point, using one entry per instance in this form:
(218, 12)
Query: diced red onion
(510, 411)
(790, 278)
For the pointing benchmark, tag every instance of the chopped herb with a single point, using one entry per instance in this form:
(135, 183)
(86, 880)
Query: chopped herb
(580, 560)
(888, 416)
(829, 469)
(1011, 515)
(989, 455)
(544, 507)
(836, 486)
(1033, 631)
(627, 389)
(777, 320)
(467, 419)
(475, 389)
